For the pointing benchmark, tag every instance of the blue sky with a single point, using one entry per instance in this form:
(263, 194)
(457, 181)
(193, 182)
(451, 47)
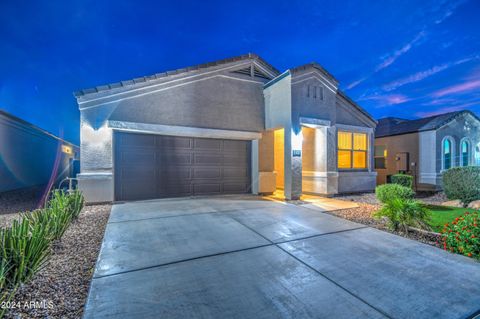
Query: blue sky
(395, 58)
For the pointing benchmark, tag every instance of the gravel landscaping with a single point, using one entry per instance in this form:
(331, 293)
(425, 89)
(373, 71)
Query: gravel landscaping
(368, 204)
(61, 288)
(21, 200)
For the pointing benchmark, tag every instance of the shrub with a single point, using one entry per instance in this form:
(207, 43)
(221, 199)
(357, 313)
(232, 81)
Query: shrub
(462, 235)
(402, 213)
(462, 183)
(25, 249)
(403, 179)
(388, 192)
(55, 221)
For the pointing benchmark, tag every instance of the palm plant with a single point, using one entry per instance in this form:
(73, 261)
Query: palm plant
(402, 213)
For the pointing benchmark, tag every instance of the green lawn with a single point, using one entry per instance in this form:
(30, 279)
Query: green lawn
(442, 215)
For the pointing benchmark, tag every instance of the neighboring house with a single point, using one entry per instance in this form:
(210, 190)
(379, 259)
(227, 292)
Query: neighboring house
(426, 147)
(231, 126)
(30, 156)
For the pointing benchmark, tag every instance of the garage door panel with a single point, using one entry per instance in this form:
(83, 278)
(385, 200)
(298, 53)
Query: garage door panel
(176, 173)
(235, 146)
(139, 157)
(155, 166)
(207, 144)
(236, 161)
(207, 188)
(144, 173)
(235, 172)
(136, 140)
(175, 190)
(209, 173)
(232, 188)
(169, 158)
(174, 142)
(208, 159)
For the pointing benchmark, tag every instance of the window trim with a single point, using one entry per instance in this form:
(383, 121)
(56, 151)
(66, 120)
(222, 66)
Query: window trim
(452, 150)
(469, 151)
(352, 150)
(383, 156)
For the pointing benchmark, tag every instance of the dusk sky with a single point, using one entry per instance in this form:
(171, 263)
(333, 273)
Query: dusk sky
(395, 58)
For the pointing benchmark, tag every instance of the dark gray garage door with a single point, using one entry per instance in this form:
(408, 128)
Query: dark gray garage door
(156, 166)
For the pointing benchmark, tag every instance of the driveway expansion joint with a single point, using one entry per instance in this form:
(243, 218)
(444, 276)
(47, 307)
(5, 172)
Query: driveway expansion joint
(315, 270)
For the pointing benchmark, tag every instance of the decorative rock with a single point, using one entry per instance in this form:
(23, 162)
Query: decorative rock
(453, 203)
(475, 204)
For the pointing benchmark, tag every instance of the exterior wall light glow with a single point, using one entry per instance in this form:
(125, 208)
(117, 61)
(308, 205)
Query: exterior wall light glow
(297, 140)
(67, 149)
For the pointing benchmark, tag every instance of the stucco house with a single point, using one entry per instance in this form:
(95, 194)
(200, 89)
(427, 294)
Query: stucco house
(231, 126)
(425, 147)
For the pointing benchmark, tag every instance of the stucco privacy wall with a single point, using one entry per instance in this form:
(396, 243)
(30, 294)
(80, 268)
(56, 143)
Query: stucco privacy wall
(213, 98)
(30, 156)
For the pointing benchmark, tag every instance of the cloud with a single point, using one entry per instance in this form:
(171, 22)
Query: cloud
(424, 74)
(392, 57)
(452, 6)
(355, 83)
(389, 99)
(447, 109)
(467, 86)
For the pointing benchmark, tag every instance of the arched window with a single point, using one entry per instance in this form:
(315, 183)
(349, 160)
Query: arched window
(465, 152)
(447, 153)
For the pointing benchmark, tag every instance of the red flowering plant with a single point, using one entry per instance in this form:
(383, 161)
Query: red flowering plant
(462, 235)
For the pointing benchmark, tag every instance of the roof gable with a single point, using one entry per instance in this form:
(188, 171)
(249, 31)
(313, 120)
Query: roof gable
(196, 68)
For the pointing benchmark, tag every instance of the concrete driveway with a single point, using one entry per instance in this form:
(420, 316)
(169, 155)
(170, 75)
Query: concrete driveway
(244, 257)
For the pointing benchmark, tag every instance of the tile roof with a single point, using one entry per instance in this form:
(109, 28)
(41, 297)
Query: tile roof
(396, 126)
(249, 56)
(317, 66)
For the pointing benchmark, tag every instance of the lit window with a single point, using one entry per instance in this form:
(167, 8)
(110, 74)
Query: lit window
(465, 150)
(381, 157)
(447, 154)
(352, 150)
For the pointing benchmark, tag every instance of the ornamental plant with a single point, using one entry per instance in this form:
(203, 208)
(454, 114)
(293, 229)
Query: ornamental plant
(462, 183)
(387, 192)
(403, 213)
(403, 179)
(461, 236)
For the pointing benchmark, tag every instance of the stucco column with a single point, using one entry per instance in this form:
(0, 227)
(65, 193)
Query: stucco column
(331, 165)
(254, 167)
(292, 164)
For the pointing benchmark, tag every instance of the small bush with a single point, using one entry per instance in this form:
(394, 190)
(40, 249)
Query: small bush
(403, 179)
(402, 213)
(25, 249)
(462, 183)
(462, 236)
(55, 221)
(388, 192)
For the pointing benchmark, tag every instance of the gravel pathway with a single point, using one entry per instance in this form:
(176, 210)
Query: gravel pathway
(63, 284)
